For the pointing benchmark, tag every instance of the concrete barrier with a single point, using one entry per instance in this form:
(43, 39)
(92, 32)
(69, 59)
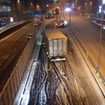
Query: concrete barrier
(10, 30)
(11, 87)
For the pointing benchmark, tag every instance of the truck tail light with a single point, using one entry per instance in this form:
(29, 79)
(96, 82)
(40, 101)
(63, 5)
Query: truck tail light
(61, 24)
(65, 56)
(49, 57)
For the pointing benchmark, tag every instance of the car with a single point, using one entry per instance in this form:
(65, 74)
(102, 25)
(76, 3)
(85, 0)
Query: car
(46, 17)
(49, 15)
(59, 24)
(35, 24)
(41, 20)
(29, 36)
(57, 10)
(64, 21)
(53, 12)
(2, 22)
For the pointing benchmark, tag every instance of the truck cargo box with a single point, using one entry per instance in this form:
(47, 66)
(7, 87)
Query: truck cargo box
(55, 44)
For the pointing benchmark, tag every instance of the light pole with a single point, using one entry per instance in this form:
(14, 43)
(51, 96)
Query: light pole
(90, 8)
(32, 8)
(61, 7)
(20, 8)
(99, 59)
(86, 7)
(76, 3)
(70, 18)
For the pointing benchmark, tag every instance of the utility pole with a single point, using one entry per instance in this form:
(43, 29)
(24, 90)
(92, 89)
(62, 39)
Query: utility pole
(61, 8)
(99, 59)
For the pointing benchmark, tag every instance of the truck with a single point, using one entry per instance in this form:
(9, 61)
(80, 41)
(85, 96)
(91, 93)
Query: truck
(49, 15)
(55, 44)
(57, 11)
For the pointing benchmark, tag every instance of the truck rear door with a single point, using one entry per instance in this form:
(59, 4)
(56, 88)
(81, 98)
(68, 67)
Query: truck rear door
(51, 48)
(64, 46)
(55, 48)
(60, 47)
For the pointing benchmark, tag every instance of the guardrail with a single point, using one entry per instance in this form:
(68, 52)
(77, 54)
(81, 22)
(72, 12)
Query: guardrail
(11, 87)
(11, 29)
(96, 19)
(97, 24)
(92, 63)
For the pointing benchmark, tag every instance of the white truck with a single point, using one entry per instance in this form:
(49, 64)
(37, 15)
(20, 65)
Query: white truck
(55, 44)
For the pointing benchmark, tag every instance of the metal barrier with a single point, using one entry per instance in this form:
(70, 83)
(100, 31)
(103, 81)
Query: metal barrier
(11, 87)
(8, 31)
(92, 63)
(86, 53)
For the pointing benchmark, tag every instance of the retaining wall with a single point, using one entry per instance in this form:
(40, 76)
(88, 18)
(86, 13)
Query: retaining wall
(11, 87)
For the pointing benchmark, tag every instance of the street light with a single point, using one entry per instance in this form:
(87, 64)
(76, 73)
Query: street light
(86, 7)
(47, 5)
(68, 9)
(18, 1)
(20, 7)
(31, 7)
(99, 59)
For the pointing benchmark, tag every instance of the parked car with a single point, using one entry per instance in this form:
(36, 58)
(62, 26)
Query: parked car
(2, 22)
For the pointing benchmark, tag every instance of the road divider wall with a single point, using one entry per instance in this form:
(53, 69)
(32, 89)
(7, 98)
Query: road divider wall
(10, 89)
(12, 29)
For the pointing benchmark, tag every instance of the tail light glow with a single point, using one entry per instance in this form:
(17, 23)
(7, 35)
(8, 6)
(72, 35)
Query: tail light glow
(49, 57)
(61, 24)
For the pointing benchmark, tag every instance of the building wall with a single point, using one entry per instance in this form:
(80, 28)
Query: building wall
(5, 8)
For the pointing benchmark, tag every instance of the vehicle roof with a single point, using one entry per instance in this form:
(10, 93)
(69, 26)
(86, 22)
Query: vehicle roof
(61, 21)
(29, 34)
(53, 33)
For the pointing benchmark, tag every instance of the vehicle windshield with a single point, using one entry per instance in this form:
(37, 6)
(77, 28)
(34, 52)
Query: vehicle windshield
(62, 21)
